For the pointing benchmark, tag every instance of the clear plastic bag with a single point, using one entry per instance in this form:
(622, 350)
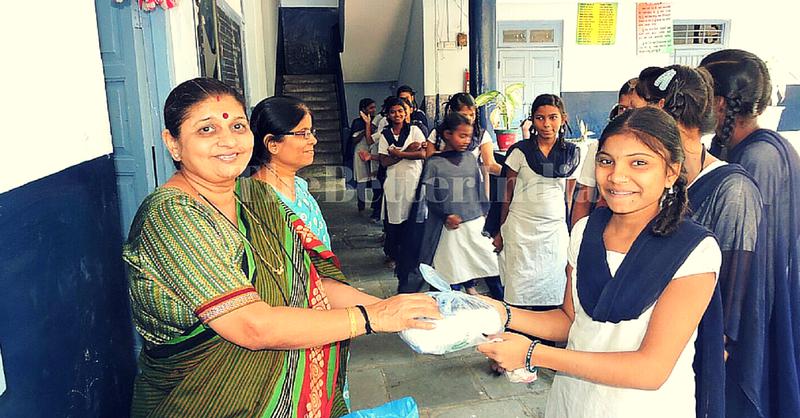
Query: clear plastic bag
(467, 320)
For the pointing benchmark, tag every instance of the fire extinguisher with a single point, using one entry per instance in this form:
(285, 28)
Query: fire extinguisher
(466, 80)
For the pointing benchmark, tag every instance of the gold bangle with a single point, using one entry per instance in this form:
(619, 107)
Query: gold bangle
(352, 316)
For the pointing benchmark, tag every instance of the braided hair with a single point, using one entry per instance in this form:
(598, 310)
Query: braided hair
(688, 94)
(742, 80)
(555, 101)
(657, 130)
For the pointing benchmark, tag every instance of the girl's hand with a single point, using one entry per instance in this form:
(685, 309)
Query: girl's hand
(498, 243)
(365, 117)
(364, 155)
(414, 146)
(393, 150)
(404, 311)
(526, 128)
(452, 222)
(509, 352)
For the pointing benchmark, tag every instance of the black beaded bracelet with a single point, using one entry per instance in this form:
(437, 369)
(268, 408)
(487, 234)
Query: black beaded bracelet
(367, 325)
(528, 366)
(508, 315)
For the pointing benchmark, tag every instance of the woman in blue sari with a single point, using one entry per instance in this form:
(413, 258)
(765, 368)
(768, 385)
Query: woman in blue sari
(742, 89)
(279, 159)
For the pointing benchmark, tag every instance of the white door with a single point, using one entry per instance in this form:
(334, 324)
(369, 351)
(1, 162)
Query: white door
(538, 69)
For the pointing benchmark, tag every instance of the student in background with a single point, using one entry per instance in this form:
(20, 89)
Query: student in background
(401, 149)
(361, 134)
(742, 91)
(533, 238)
(416, 115)
(453, 193)
(586, 196)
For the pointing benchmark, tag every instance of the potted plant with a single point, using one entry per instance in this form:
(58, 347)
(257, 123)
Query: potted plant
(505, 107)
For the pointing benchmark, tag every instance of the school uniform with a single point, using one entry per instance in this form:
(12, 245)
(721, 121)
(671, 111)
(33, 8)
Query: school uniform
(535, 236)
(400, 186)
(362, 170)
(614, 296)
(451, 185)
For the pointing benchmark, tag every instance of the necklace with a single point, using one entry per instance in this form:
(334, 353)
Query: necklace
(277, 270)
(275, 173)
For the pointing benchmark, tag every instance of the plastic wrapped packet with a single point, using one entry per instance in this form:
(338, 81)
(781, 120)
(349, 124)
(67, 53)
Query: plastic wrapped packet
(521, 375)
(467, 320)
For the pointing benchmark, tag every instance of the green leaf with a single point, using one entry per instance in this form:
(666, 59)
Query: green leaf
(485, 98)
(513, 88)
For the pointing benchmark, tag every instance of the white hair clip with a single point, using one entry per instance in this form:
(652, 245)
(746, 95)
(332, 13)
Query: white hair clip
(662, 82)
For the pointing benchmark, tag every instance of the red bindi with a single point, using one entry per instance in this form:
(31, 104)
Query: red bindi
(224, 116)
(217, 98)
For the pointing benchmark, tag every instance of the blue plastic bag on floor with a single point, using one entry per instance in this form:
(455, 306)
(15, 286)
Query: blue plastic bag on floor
(466, 320)
(401, 408)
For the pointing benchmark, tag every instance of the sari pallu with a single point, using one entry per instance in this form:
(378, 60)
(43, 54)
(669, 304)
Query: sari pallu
(218, 378)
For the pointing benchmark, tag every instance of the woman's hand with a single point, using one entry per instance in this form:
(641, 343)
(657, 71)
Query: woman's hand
(402, 312)
(498, 305)
(452, 222)
(509, 351)
(498, 243)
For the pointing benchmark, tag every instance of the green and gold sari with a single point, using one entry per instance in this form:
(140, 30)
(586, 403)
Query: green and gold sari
(200, 374)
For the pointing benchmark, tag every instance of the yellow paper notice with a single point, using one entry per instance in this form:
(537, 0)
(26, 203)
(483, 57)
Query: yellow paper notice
(597, 24)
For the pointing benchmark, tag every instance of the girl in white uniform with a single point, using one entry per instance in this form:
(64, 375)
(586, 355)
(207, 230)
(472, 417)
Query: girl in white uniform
(401, 148)
(533, 237)
(640, 279)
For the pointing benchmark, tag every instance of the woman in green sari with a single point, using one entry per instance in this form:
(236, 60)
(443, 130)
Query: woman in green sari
(242, 314)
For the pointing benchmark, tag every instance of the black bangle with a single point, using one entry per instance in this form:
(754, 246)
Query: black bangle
(530, 368)
(508, 315)
(367, 325)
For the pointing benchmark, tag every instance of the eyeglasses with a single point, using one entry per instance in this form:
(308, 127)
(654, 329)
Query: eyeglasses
(304, 133)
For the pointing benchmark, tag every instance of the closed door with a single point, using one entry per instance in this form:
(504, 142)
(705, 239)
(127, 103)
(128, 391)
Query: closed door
(538, 69)
(132, 92)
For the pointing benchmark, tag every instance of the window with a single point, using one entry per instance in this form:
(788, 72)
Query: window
(699, 34)
(529, 34)
(694, 39)
(219, 43)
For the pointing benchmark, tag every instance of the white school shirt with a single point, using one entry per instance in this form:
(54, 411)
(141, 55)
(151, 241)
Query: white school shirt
(485, 139)
(574, 397)
(586, 176)
(402, 179)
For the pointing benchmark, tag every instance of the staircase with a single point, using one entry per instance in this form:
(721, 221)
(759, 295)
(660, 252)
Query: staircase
(318, 91)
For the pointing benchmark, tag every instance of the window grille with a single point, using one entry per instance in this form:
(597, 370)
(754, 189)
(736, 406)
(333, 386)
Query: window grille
(699, 34)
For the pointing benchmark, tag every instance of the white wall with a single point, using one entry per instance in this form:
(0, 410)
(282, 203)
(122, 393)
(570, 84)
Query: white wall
(310, 3)
(183, 36)
(55, 115)
(412, 70)
(444, 67)
(764, 29)
(269, 20)
(374, 39)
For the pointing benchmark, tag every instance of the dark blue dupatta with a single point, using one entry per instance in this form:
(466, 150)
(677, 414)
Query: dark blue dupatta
(779, 260)
(636, 286)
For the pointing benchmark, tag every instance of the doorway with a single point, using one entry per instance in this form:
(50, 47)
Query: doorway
(529, 52)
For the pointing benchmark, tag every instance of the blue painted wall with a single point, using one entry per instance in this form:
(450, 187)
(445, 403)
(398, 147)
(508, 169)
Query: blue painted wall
(790, 118)
(65, 327)
(590, 106)
(377, 91)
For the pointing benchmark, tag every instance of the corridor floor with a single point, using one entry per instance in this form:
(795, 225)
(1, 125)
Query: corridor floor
(382, 367)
